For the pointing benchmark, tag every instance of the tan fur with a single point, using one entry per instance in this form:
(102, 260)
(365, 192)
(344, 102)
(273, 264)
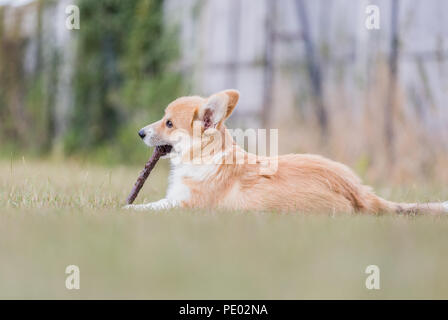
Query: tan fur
(303, 182)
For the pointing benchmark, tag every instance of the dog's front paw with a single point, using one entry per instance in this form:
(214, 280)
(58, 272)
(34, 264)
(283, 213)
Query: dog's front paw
(136, 207)
(445, 206)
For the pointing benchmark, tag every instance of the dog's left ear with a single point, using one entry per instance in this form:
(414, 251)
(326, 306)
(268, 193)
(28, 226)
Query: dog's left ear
(218, 108)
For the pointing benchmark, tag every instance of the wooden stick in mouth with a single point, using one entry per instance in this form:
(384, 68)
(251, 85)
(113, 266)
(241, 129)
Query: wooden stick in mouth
(159, 151)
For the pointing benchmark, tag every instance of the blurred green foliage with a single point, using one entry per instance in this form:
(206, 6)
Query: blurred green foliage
(122, 80)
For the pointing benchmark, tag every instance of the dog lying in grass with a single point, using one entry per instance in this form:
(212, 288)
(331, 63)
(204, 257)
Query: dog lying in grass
(209, 170)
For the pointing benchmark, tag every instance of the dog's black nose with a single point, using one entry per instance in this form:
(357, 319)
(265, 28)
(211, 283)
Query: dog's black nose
(142, 134)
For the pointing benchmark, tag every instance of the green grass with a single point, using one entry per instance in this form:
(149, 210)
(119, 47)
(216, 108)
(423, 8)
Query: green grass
(56, 214)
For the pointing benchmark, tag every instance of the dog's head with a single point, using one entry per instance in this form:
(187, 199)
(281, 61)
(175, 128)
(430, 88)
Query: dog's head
(185, 115)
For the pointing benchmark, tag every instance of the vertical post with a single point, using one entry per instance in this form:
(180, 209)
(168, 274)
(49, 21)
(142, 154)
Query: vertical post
(268, 62)
(389, 111)
(313, 68)
(235, 25)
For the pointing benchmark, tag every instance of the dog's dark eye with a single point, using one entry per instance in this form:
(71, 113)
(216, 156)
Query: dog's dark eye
(169, 124)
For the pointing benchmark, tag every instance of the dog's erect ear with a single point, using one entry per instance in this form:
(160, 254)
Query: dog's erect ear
(218, 108)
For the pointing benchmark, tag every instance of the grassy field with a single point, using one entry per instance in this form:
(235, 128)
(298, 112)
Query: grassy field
(54, 214)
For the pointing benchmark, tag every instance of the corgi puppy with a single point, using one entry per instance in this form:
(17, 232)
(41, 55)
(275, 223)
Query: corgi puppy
(209, 170)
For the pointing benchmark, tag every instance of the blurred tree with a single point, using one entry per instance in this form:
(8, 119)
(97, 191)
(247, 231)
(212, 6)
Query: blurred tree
(14, 118)
(122, 69)
(122, 79)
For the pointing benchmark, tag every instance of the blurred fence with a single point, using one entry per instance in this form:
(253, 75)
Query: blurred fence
(313, 69)
(232, 43)
(310, 68)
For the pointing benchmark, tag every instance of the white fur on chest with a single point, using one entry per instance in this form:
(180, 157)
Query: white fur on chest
(177, 189)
